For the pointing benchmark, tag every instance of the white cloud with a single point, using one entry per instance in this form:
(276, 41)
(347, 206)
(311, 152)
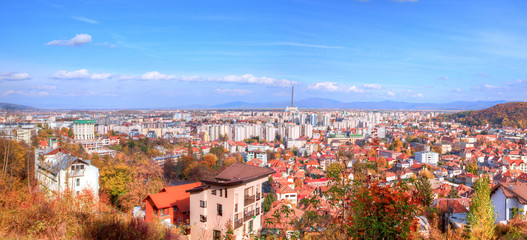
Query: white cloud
(46, 87)
(372, 86)
(247, 78)
(333, 87)
(81, 74)
(417, 95)
(6, 93)
(9, 76)
(488, 86)
(458, 90)
(326, 86)
(355, 89)
(483, 75)
(86, 20)
(78, 40)
(105, 44)
(23, 93)
(99, 76)
(390, 93)
(406, 0)
(444, 78)
(228, 91)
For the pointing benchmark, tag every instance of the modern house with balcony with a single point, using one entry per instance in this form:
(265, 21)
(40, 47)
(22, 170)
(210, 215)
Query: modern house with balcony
(56, 170)
(232, 200)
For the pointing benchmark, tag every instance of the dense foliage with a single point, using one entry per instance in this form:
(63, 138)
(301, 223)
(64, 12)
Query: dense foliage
(513, 114)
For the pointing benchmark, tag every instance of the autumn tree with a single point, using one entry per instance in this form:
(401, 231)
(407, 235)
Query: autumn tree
(481, 216)
(382, 211)
(114, 180)
(230, 160)
(210, 160)
(169, 169)
(472, 167)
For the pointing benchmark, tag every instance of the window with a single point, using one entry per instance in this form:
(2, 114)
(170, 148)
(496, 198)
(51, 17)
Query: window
(73, 168)
(164, 212)
(202, 204)
(81, 167)
(78, 182)
(221, 192)
(216, 235)
(213, 192)
(179, 220)
(220, 209)
(202, 218)
(225, 192)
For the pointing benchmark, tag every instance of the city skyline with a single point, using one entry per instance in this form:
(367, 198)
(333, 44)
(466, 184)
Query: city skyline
(120, 54)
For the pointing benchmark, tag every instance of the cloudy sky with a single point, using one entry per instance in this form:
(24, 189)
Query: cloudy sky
(133, 54)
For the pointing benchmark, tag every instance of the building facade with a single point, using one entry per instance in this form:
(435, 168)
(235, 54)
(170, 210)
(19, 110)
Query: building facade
(84, 129)
(427, 157)
(233, 199)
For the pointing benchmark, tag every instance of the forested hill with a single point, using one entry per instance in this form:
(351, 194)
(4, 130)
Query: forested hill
(15, 107)
(513, 114)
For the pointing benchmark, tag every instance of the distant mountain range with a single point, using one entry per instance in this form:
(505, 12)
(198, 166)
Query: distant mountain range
(16, 107)
(325, 103)
(310, 103)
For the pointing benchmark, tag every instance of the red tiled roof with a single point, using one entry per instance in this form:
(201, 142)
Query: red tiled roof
(173, 196)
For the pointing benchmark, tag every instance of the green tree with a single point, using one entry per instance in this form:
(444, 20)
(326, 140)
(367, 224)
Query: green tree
(424, 187)
(481, 216)
(268, 201)
(70, 132)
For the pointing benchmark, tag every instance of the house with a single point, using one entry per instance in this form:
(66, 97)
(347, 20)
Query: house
(286, 193)
(57, 170)
(276, 220)
(507, 197)
(171, 204)
(232, 199)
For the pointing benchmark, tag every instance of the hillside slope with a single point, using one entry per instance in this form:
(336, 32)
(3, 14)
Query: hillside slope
(513, 114)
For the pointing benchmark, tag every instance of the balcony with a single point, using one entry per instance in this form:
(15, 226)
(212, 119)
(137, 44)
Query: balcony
(249, 199)
(248, 215)
(76, 173)
(258, 196)
(238, 223)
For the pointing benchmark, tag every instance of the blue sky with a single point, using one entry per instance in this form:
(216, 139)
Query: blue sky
(134, 54)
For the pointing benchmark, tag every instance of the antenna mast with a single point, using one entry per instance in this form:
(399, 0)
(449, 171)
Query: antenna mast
(292, 94)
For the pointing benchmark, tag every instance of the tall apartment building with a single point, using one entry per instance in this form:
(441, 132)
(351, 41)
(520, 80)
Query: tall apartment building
(232, 199)
(313, 119)
(270, 133)
(84, 129)
(427, 157)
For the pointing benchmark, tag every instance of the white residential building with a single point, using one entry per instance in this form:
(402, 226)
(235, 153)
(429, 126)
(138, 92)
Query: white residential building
(507, 197)
(427, 157)
(57, 171)
(232, 199)
(84, 129)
